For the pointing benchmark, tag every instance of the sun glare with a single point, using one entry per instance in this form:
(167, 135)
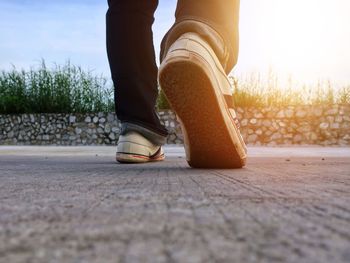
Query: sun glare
(305, 38)
(298, 33)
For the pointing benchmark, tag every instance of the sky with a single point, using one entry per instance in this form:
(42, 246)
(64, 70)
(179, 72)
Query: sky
(308, 40)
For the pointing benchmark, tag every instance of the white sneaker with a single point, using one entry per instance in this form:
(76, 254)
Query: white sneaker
(198, 89)
(134, 148)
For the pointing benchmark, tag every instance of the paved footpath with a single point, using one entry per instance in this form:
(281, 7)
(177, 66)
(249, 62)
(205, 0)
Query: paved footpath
(75, 204)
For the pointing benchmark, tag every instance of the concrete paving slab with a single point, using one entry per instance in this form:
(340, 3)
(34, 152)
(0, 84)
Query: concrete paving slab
(75, 204)
(175, 151)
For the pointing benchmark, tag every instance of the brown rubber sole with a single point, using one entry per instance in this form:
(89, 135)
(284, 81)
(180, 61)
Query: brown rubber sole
(211, 140)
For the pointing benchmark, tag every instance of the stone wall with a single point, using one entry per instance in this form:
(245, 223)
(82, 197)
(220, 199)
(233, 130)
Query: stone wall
(70, 129)
(321, 125)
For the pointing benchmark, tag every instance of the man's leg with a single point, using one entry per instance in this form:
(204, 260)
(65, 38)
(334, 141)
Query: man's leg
(134, 73)
(197, 54)
(133, 68)
(221, 16)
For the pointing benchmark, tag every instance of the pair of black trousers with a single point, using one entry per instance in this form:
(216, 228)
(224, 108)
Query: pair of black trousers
(131, 52)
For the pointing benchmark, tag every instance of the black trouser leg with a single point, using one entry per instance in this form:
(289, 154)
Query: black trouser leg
(131, 52)
(132, 61)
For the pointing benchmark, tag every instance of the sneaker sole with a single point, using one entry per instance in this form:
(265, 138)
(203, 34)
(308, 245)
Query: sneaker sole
(211, 141)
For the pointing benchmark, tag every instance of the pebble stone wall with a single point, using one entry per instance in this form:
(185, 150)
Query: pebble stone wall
(307, 125)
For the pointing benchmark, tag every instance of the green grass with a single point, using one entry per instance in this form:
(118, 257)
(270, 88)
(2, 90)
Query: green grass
(254, 91)
(162, 102)
(70, 89)
(59, 89)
